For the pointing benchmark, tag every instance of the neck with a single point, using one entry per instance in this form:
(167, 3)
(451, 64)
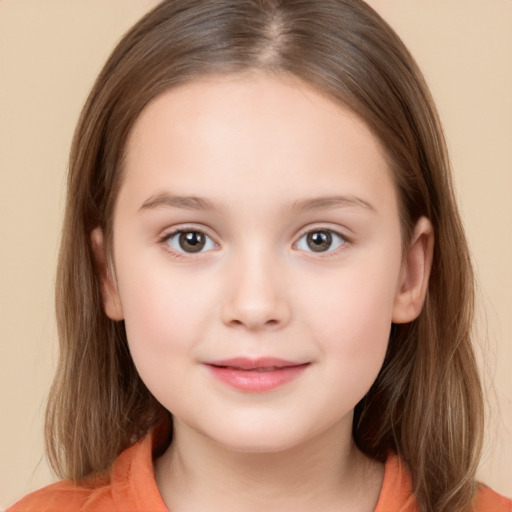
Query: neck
(325, 473)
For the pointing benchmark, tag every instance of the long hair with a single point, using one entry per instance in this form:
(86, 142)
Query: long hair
(426, 403)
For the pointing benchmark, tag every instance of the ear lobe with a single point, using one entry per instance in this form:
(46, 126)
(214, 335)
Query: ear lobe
(111, 300)
(413, 284)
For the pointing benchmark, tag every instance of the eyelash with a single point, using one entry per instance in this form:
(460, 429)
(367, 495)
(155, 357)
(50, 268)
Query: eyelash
(164, 240)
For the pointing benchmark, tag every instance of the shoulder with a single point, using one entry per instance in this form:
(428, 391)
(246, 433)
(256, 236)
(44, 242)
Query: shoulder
(129, 487)
(65, 496)
(488, 500)
(397, 492)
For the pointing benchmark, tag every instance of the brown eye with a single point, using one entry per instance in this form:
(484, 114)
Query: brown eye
(322, 240)
(189, 242)
(319, 241)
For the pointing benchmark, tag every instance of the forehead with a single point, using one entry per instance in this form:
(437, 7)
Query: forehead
(255, 134)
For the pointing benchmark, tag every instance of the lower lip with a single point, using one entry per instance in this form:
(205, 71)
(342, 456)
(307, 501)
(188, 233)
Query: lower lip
(254, 381)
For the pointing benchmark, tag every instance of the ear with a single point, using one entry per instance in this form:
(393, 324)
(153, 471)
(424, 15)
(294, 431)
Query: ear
(413, 283)
(111, 300)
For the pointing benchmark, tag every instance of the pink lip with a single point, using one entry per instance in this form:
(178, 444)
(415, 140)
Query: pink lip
(255, 375)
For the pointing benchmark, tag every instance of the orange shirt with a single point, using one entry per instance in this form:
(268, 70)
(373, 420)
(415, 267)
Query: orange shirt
(131, 487)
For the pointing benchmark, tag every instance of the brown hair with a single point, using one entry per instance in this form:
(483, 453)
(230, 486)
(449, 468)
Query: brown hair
(426, 404)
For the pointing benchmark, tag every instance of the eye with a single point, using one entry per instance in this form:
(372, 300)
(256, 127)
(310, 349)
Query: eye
(320, 240)
(189, 241)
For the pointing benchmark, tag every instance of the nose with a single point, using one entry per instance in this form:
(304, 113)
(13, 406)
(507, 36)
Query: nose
(256, 294)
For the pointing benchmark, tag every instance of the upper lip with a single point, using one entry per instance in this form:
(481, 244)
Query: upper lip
(246, 363)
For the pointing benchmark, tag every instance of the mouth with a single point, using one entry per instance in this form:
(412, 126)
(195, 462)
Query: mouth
(256, 375)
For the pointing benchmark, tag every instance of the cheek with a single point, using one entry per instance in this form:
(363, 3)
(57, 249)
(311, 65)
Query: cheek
(165, 321)
(352, 336)
(350, 317)
(164, 317)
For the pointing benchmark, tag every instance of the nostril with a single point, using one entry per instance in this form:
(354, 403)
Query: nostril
(255, 307)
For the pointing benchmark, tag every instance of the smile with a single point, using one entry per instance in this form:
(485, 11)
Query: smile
(255, 375)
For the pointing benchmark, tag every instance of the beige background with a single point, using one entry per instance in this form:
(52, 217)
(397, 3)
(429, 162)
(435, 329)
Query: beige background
(50, 52)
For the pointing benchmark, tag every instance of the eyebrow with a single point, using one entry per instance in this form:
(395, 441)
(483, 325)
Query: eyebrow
(181, 202)
(317, 203)
(165, 199)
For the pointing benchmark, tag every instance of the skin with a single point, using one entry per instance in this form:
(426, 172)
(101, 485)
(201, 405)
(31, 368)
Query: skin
(253, 145)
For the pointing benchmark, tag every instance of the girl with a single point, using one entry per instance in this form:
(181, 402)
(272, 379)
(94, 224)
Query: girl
(264, 292)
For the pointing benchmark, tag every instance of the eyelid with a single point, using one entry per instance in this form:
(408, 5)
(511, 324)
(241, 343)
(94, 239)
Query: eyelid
(176, 230)
(325, 254)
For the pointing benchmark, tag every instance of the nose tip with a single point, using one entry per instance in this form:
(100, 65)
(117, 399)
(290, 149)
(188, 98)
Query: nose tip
(256, 300)
(253, 319)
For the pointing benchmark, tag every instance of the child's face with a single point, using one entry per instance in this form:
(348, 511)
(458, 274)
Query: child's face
(247, 166)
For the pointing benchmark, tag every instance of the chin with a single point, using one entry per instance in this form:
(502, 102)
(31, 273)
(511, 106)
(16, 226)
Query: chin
(255, 438)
